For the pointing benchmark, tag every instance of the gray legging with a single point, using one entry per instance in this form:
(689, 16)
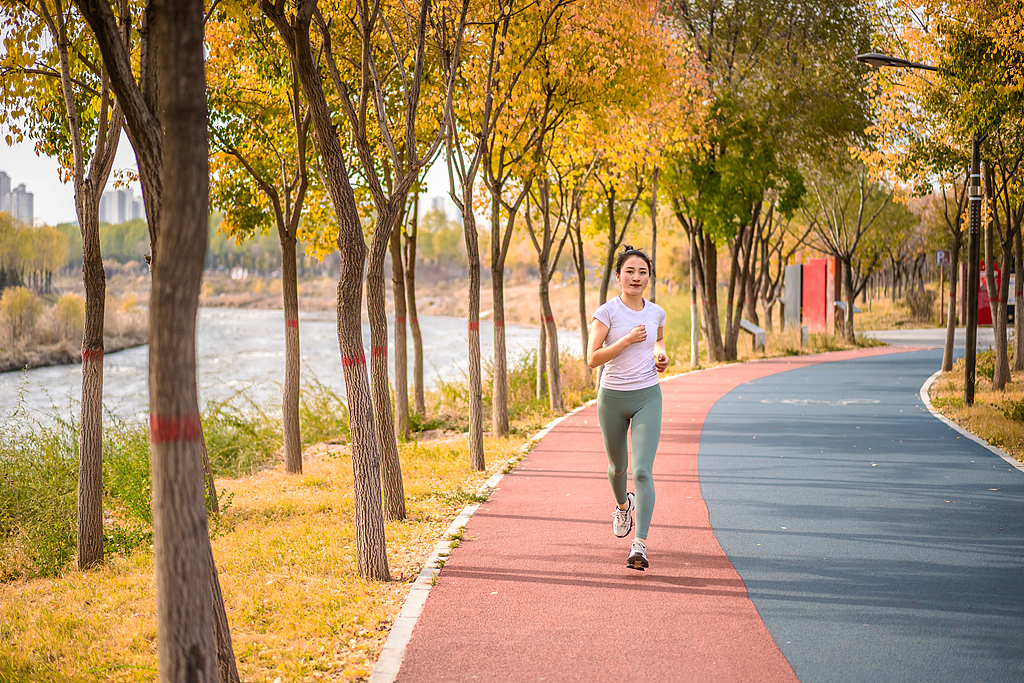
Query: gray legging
(638, 411)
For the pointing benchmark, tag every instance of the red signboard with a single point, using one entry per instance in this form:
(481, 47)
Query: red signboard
(821, 280)
(814, 310)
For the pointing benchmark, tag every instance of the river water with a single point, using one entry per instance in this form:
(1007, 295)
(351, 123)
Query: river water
(243, 349)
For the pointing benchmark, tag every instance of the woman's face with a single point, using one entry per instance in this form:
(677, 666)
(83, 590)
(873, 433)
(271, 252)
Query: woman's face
(634, 276)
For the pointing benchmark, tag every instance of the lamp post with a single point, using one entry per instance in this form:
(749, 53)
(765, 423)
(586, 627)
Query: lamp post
(974, 196)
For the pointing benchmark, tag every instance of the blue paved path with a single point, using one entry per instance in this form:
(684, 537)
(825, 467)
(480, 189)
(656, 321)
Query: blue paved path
(876, 543)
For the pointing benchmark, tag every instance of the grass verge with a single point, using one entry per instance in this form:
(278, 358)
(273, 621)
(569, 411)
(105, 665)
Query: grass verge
(996, 416)
(285, 550)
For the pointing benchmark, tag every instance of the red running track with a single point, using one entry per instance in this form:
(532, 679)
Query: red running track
(539, 589)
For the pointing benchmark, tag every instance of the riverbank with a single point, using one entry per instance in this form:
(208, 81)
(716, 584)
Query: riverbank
(65, 352)
(45, 330)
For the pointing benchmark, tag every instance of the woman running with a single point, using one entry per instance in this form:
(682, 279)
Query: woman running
(627, 338)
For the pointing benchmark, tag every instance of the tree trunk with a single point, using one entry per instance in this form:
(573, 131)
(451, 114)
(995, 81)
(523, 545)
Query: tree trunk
(90, 461)
(87, 198)
(390, 467)
(414, 322)
(292, 358)
(738, 274)
(954, 269)
(542, 355)
(401, 342)
(1002, 369)
(499, 400)
(185, 618)
(1018, 304)
(548, 324)
(499, 381)
(654, 235)
(579, 260)
(609, 255)
(998, 379)
(848, 331)
(694, 311)
(371, 546)
(713, 328)
(476, 405)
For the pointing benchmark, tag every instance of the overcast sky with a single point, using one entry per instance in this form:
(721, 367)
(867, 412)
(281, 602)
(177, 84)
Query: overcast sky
(54, 201)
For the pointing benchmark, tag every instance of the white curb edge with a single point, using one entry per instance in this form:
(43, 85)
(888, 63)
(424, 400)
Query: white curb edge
(390, 660)
(978, 440)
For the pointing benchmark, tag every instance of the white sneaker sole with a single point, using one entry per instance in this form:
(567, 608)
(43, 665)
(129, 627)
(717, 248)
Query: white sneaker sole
(629, 512)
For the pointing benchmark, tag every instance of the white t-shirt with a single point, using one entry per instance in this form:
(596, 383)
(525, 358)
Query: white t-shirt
(633, 368)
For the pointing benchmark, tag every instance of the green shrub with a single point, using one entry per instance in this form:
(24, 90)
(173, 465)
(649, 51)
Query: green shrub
(127, 487)
(38, 492)
(1013, 410)
(523, 404)
(985, 364)
(239, 438)
(323, 416)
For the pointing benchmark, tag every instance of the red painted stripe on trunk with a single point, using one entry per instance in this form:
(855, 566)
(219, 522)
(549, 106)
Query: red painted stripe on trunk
(474, 326)
(549, 319)
(92, 355)
(499, 323)
(414, 320)
(400, 319)
(173, 428)
(347, 361)
(291, 323)
(378, 350)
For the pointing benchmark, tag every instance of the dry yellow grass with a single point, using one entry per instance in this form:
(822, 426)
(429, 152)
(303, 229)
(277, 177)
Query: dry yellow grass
(986, 418)
(285, 552)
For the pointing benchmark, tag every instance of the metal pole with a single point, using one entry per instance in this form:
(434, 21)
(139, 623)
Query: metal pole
(974, 196)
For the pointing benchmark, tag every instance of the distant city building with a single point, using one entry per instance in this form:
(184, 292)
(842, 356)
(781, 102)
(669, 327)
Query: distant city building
(445, 205)
(17, 202)
(118, 206)
(5, 192)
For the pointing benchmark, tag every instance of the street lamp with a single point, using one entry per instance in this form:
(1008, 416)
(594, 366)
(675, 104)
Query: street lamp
(974, 196)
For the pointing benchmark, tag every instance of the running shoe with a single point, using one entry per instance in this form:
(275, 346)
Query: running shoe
(622, 520)
(637, 556)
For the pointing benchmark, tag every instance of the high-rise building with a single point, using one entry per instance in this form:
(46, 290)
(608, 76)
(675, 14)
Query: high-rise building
(21, 204)
(118, 206)
(124, 205)
(5, 192)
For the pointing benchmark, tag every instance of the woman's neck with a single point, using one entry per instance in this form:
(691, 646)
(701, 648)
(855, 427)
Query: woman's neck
(634, 302)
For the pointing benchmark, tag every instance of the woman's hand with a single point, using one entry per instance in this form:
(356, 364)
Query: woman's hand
(661, 362)
(637, 334)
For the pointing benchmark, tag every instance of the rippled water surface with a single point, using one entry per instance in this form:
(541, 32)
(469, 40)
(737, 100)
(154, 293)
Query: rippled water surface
(243, 349)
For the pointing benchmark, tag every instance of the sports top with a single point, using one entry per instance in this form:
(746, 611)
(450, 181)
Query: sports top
(634, 367)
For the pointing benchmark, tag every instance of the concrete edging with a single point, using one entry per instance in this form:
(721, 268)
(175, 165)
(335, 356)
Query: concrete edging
(978, 440)
(390, 660)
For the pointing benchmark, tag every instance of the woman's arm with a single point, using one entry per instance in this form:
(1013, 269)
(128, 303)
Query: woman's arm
(598, 354)
(660, 357)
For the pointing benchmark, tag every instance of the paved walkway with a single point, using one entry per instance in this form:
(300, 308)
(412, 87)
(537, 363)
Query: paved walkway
(805, 543)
